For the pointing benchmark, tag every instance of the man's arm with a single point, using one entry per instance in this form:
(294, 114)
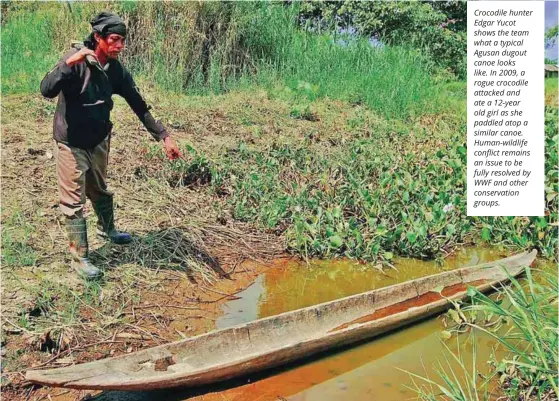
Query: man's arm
(55, 80)
(130, 93)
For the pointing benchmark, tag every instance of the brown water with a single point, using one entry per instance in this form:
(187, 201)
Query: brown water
(290, 285)
(364, 372)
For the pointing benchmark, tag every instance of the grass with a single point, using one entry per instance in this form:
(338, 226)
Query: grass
(266, 49)
(522, 320)
(16, 232)
(25, 60)
(392, 81)
(551, 92)
(458, 380)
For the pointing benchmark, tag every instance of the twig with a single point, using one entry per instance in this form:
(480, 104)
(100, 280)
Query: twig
(220, 293)
(132, 336)
(18, 327)
(147, 332)
(163, 306)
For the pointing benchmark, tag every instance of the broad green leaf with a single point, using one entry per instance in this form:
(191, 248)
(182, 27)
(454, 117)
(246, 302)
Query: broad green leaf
(336, 241)
(412, 237)
(450, 229)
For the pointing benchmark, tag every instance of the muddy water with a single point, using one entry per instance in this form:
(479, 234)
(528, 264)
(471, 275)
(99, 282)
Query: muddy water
(364, 372)
(289, 286)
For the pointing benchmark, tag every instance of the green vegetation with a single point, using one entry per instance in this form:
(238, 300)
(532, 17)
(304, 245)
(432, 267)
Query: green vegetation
(24, 59)
(373, 194)
(218, 48)
(551, 35)
(551, 92)
(523, 321)
(15, 236)
(438, 28)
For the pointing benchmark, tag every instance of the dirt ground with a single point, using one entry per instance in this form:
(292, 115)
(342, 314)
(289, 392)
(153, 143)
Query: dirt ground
(52, 318)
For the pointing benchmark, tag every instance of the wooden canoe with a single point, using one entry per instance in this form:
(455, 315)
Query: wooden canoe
(273, 341)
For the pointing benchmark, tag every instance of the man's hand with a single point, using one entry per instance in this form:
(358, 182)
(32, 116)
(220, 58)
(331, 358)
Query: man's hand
(171, 149)
(80, 56)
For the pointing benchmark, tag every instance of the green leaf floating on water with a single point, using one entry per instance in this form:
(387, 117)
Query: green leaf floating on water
(446, 334)
(455, 316)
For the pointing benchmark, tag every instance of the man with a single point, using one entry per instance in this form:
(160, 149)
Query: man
(84, 81)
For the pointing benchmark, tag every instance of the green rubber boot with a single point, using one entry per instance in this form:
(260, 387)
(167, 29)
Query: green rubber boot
(77, 234)
(105, 223)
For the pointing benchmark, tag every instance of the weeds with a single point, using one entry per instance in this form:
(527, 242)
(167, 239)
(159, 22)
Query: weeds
(375, 196)
(206, 48)
(522, 319)
(458, 381)
(16, 233)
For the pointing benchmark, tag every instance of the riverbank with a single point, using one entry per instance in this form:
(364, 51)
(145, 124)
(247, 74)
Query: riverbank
(260, 180)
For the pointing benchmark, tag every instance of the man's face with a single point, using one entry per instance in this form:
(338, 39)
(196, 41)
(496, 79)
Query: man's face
(111, 45)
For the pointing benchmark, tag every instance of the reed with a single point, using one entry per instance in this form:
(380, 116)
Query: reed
(522, 320)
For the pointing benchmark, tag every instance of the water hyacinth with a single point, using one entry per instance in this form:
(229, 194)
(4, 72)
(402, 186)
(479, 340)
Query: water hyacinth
(405, 195)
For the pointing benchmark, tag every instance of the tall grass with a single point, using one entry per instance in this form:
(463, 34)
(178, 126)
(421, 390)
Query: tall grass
(213, 47)
(25, 58)
(457, 378)
(392, 80)
(552, 92)
(523, 321)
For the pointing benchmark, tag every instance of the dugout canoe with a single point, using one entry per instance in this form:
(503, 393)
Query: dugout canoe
(273, 341)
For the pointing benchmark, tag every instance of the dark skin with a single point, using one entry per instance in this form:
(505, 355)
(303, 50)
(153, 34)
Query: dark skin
(110, 47)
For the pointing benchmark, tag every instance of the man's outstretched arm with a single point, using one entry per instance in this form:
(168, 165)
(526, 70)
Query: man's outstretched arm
(130, 93)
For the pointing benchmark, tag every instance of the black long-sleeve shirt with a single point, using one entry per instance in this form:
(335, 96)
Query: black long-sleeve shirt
(82, 117)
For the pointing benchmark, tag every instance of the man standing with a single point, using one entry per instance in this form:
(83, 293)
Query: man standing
(84, 81)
